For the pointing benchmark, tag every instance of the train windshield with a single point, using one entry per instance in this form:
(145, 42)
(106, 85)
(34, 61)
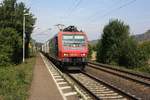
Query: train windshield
(73, 40)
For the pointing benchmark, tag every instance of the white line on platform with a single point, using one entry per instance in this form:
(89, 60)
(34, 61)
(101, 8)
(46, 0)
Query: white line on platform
(59, 83)
(65, 87)
(59, 79)
(64, 97)
(57, 76)
(70, 94)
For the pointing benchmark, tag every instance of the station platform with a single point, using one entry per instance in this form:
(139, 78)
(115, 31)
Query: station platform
(47, 84)
(43, 87)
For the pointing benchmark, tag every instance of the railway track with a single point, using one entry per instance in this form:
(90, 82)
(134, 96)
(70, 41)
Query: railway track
(99, 89)
(139, 78)
(130, 82)
(83, 95)
(92, 87)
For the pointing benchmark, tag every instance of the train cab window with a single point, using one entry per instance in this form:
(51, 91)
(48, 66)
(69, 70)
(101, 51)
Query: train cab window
(73, 40)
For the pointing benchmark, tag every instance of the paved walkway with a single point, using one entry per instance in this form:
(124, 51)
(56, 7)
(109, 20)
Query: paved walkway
(43, 86)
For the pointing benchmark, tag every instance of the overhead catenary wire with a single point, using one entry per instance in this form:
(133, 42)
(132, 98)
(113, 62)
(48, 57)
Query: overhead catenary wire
(77, 3)
(115, 9)
(96, 13)
(71, 9)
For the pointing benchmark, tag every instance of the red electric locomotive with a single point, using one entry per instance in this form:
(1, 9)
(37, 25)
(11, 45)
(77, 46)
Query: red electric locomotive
(69, 48)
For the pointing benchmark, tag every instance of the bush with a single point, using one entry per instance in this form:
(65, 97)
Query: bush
(99, 52)
(145, 69)
(4, 60)
(15, 80)
(10, 44)
(132, 55)
(90, 51)
(146, 47)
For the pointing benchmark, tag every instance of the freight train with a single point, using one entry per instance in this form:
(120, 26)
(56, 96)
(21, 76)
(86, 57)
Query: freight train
(69, 48)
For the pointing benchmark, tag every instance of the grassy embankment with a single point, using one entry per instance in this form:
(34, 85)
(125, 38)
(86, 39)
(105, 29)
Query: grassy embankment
(15, 80)
(144, 69)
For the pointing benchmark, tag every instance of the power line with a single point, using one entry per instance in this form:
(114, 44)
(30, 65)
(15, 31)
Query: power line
(71, 10)
(100, 11)
(118, 8)
(78, 2)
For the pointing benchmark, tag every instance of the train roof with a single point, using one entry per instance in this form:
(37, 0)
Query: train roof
(61, 32)
(65, 32)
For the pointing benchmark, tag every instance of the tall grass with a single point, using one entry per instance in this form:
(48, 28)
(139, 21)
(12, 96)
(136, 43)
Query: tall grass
(15, 80)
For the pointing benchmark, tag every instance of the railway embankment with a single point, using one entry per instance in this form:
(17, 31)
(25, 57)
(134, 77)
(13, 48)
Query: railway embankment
(15, 80)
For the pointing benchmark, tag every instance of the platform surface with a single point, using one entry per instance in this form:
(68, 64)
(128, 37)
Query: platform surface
(43, 86)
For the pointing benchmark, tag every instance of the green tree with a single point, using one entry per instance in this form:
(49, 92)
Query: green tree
(98, 50)
(117, 47)
(90, 51)
(11, 15)
(114, 36)
(133, 55)
(9, 44)
(145, 45)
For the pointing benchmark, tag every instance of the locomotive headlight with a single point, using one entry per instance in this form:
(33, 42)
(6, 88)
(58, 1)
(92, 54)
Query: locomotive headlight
(65, 54)
(83, 54)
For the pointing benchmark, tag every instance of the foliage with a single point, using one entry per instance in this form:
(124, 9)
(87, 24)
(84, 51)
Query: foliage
(90, 51)
(10, 44)
(144, 69)
(15, 81)
(11, 23)
(11, 15)
(94, 47)
(32, 48)
(98, 49)
(146, 47)
(132, 55)
(117, 47)
(113, 39)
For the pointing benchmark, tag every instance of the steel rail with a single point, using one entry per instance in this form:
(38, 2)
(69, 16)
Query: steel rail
(104, 68)
(130, 96)
(121, 70)
(83, 87)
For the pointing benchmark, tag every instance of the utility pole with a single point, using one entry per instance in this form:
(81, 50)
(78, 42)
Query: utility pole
(24, 25)
(60, 26)
(23, 59)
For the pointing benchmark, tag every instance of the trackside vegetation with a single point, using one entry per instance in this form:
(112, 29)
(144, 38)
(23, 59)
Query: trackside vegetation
(145, 45)
(10, 47)
(15, 80)
(11, 28)
(90, 51)
(117, 47)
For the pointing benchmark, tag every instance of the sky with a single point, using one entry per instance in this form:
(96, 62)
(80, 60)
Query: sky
(89, 15)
